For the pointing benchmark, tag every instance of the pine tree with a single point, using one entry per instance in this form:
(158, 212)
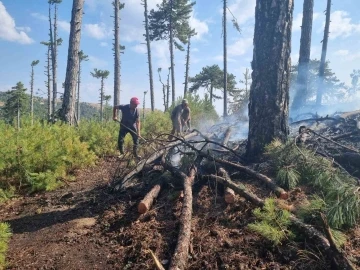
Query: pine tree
(101, 74)
(211, 78)
(241, 96)
(323, 55)
(15, 104)
(187, 64)
(269, 94)
(304, 56)
(117, 50)
(67, 113)
(82, 57)
(171, 22)
(147, 38)
(54, 42)
(33, 64)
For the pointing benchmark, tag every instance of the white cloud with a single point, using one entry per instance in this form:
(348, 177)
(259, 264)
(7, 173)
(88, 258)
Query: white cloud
(26, 29)
(160, 49)
(200, 27)
(97, 62)
(341, 25)
(64, 25)
(97, 31)
(341, 52)
(139, 48)
(8, 30)
(243, 10)
(240, 47)
(39, 16)
(104, 44)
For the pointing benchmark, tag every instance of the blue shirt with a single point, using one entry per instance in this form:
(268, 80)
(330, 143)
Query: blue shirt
(128, 116)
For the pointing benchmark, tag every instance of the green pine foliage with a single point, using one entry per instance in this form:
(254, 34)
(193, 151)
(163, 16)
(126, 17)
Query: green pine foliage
(5, 234)
(340, 191)
(273, 222)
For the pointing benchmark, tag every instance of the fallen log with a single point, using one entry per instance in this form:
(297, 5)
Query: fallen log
(180, 257)
(148, 200)
(307, 229)
(281, 193)
(150, 159)
(344, 135)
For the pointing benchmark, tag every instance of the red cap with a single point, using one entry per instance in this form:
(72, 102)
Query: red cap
(134, 100)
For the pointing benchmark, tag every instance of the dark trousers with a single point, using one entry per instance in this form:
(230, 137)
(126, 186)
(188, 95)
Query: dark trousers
(122, 133)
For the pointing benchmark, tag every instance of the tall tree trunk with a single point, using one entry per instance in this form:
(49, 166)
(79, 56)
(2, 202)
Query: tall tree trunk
(168, 90)
(72, 69)
(187, 67)
(49, 111)
(152, 98)
(18, 114)
(323, 55)
(32, 95)
(172, 53)
(53, 59)
(225, 60)
(101, 99)
(78, 93)
(117, 53)
(304, 56)
(269, 94)
(211, 93)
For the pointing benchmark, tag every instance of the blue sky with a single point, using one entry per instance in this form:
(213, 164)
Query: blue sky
(23, 25)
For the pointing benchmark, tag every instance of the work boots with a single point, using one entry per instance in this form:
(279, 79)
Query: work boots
(135, 150)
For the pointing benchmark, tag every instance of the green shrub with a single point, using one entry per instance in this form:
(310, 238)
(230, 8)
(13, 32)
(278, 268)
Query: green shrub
(273, 222)
(5, 234)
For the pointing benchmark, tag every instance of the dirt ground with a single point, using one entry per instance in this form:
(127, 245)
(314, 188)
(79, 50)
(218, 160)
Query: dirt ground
(86, 226)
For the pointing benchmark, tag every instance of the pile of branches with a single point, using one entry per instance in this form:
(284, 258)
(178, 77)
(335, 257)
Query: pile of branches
(200, 158)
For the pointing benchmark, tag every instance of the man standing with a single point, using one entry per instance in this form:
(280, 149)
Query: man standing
(180, 117)
(130, 122)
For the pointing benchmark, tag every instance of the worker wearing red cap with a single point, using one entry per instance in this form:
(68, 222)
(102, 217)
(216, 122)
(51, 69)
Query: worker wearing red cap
(130, 123)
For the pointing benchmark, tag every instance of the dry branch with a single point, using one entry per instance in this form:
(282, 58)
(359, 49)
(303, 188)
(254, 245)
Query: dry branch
(229, 195)
(147, 202)
(156, 261)
(150, 159)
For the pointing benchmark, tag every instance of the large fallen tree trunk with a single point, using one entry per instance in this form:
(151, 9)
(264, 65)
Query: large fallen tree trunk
(147, 202)
(179, 259)
(150, 159)
(338, 259)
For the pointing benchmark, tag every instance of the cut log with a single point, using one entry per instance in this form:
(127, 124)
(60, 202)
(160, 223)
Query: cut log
(226, 136)
(147, 202)
(229, 195)
(180, 257)
(309, 231)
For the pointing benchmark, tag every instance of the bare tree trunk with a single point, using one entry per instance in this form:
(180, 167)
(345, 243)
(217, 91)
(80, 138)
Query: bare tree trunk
(53, 56)
(117, 54)
(48, 85)
(225, 60)
(152, 98)
(269, 94)
(72, 69)
(323, 55)
(304, 57)
(172, 54)
(211, 93)
(32, 95)
(187, 66)
(101, 99)
(78, 93)
(168, 90)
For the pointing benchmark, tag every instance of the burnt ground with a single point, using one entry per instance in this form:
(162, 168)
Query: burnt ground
(84, 225)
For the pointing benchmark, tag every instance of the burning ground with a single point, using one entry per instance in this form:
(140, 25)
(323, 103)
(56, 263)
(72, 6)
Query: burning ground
(87, 225)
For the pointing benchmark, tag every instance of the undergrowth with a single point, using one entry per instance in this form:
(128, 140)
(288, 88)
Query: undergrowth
(339, 192)
(5, 234)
